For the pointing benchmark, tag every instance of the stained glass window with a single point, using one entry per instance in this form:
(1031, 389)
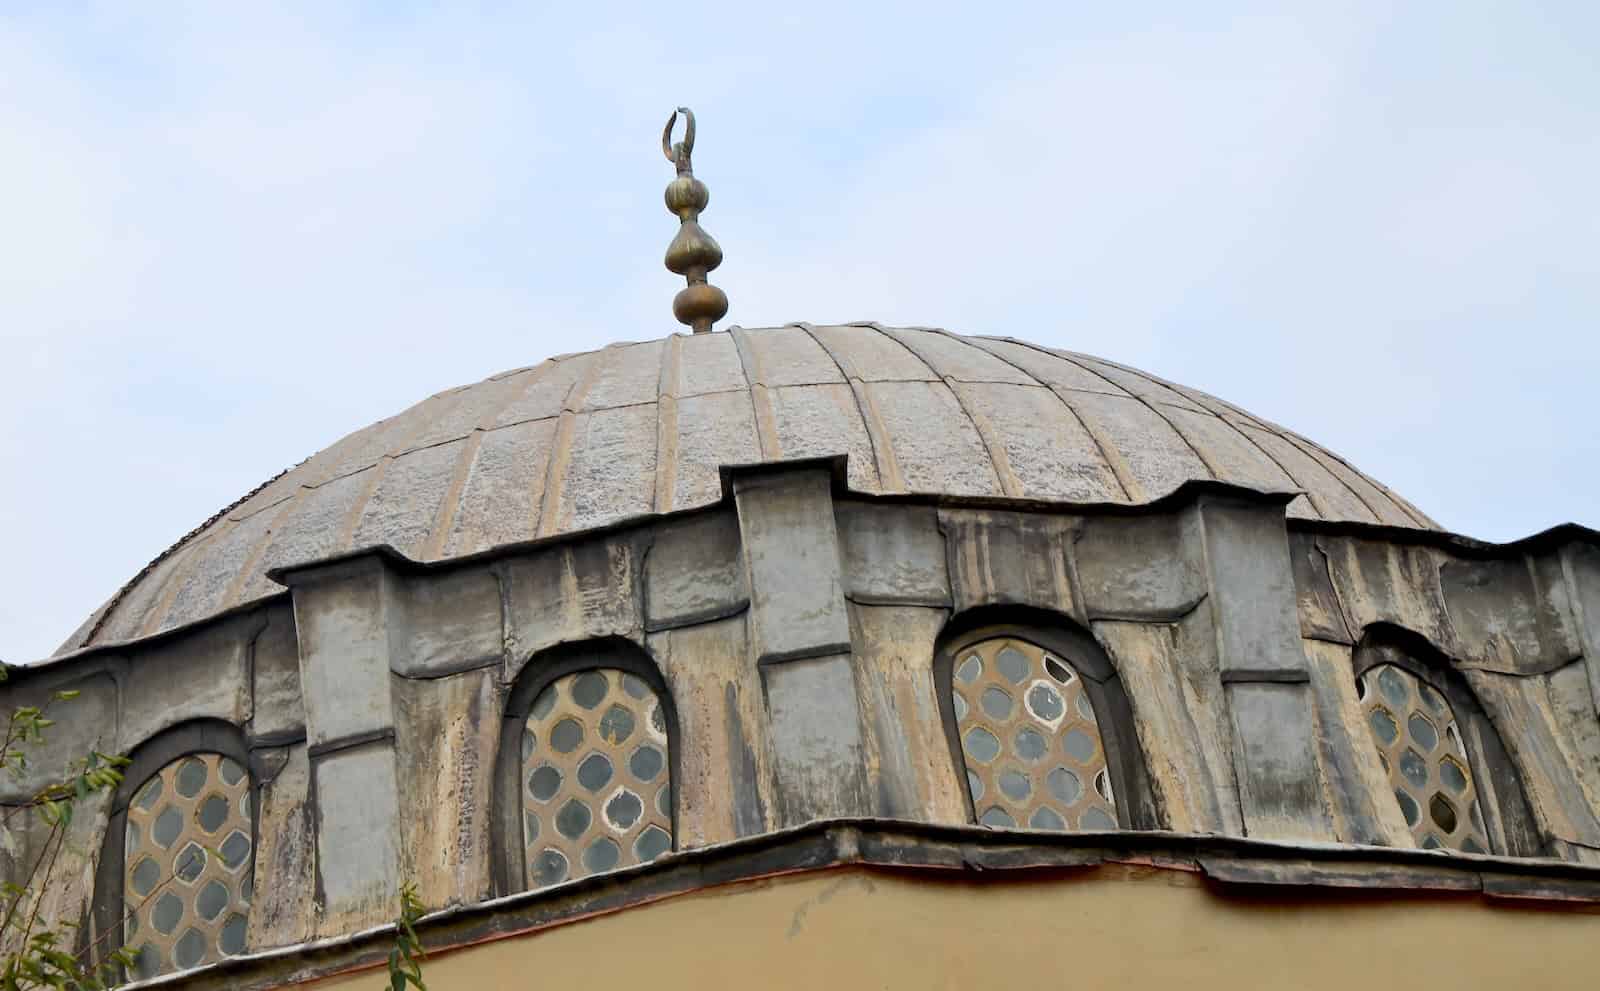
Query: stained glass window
(1031, 743)
(596, 777)
(1419, 744)
(187, 864)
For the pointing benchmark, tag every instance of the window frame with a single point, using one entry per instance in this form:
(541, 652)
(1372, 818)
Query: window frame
(1507, 816)
(1113, 712)
(542, 669)
(201, 736)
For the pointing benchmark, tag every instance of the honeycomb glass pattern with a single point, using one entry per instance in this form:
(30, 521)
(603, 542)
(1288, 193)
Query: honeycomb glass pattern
(596, 778)
(1028, 733)
(187, 864)
(1420, 747)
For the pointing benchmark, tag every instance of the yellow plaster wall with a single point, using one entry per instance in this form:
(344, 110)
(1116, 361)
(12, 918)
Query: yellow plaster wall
(1112, 927)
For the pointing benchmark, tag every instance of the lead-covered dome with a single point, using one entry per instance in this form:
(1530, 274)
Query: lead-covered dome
(587, 440)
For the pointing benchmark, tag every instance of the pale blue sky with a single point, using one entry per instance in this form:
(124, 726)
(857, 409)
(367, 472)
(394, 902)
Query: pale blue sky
(232, 234)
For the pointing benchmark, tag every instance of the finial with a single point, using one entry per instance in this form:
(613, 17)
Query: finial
(692, 253)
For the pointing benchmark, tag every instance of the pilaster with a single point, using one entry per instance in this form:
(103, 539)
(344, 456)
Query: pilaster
(344, 614)
(800, 638)
(1244, 548)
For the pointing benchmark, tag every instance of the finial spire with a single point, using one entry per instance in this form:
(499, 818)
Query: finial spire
(692, 252)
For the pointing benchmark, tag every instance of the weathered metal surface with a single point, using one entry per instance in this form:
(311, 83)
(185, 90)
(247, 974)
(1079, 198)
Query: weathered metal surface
(359, 863)
(1138, 568)
(447, 623)
(791, 550)
(446, 733)
(403, 508)
(397, 671)
(1378, 582)
(893, 554)
(1280, 789)
(1251, 597)
(725, 779)
(283, 911)
(800, 636)
(712, 430)
(203, 676)
(276, 709)
(1516, 612)
(1010, 558)
(1321, 617)
(577, 442)
(1250, 585)
(1503, 615)
(1580, 568)
(1355, 784)
(907, 750)
(1330, 498)
(815, 726)
(1180, 716)
(569, 593)
(1555, 754)
(342, 620)
(502, 490)
(694, 571)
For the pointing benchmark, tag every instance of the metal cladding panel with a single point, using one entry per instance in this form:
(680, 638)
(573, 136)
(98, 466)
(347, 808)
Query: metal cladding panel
(588, 440)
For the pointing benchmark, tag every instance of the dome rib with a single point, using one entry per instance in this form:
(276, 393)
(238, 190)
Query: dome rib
(1099, 445)
(1197, 403)
(589, 440)
(445, 515)
(667, 386)
(998, 461)
(561, 447)
(1409, 514)
(1312, 496)
(1151, 406)
(888, 465)
(760, 401)
(1116, 467)
(1138, 482)
(1202, 407)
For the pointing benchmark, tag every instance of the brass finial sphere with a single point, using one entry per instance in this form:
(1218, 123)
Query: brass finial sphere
(693, 252)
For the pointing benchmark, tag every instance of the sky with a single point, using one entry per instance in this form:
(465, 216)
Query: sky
(232, 233)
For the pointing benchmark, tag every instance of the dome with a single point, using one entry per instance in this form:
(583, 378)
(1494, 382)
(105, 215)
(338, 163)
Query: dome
(586, 440)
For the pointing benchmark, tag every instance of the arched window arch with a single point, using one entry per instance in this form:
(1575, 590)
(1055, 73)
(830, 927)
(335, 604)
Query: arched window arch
(1040, 728)
(176, 874)
(1446, 766)
(586, 770)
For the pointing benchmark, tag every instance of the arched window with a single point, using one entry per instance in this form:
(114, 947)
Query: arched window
(177, 873)
(1447, 769)
(1042, 731)
(587, 749)
(1420, 746)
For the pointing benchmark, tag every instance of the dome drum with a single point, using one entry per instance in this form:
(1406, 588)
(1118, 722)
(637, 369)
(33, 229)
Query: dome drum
(762, 663)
